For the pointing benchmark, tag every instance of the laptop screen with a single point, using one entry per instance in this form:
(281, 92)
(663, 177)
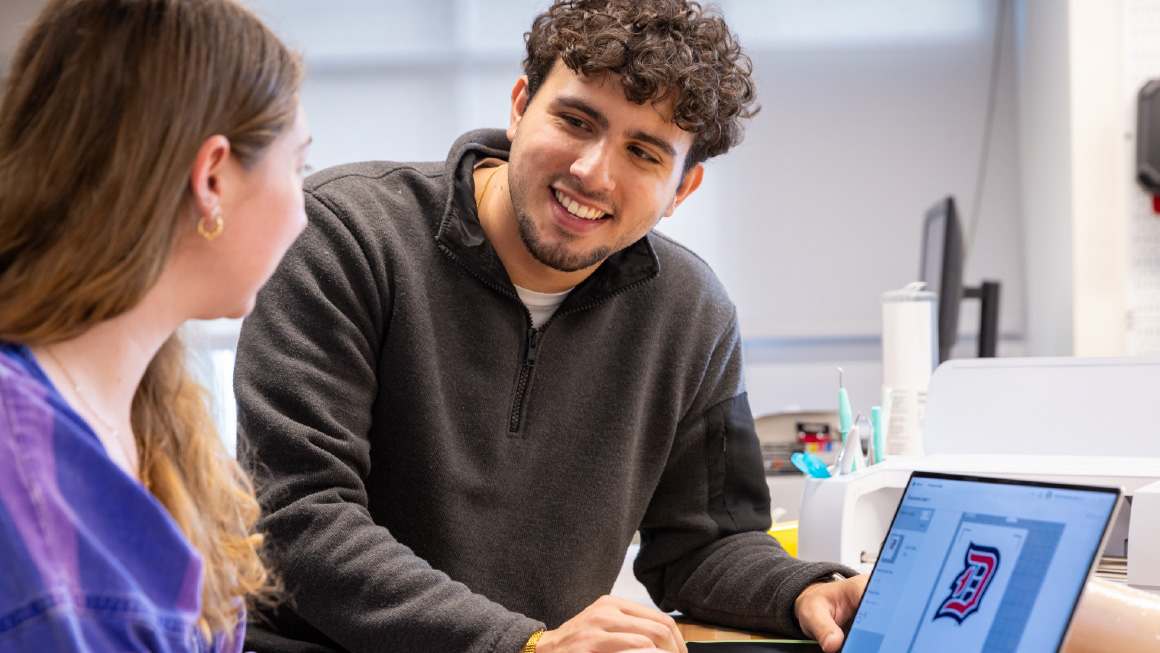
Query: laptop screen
(976, 564)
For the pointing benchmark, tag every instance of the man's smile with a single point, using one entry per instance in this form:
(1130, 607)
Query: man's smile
(576, 208)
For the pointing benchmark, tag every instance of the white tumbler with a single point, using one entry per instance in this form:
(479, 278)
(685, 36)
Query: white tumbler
(909, 356)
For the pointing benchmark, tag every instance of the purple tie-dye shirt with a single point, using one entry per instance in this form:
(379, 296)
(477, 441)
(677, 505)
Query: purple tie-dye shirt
(89, 559)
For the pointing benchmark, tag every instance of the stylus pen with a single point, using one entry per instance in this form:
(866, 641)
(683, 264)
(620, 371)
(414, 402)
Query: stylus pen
(845, 418)
(876, 435)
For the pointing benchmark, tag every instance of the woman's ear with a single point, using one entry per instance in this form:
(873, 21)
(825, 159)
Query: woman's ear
(206, 176)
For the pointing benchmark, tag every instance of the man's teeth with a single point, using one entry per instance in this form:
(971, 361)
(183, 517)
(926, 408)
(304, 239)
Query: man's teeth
(577, 209)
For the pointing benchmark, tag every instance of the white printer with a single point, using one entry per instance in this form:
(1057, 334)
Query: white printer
(1087, 421)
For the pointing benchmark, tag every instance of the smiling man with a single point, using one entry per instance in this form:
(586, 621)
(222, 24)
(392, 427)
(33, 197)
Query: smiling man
(471, 382)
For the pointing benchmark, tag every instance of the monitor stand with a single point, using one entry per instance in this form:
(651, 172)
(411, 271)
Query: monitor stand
(988, 293)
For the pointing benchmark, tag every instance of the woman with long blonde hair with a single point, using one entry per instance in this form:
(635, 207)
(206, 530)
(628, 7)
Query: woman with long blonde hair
(150, 173)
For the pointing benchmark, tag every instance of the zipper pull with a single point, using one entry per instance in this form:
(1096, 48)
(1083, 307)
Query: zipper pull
(533, 342)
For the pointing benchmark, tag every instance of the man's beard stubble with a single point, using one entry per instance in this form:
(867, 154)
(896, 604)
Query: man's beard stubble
(554, 255)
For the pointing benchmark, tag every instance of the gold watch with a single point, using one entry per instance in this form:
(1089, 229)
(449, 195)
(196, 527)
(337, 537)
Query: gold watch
(530, 647)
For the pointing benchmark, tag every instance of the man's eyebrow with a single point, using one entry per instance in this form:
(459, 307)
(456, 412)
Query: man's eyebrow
(583, 107)
(656, 141)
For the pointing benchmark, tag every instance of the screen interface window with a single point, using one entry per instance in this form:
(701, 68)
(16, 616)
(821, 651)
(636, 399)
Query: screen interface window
(978, 566)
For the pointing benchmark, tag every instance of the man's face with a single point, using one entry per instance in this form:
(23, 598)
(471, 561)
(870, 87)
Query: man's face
(591, 172)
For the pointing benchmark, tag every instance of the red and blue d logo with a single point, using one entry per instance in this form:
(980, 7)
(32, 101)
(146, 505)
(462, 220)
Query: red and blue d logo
(979, 567)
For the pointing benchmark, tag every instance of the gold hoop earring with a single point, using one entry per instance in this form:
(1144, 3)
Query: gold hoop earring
(216, 214)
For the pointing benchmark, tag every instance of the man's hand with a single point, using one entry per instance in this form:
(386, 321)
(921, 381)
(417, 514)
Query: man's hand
(611, 625)
(823, 608)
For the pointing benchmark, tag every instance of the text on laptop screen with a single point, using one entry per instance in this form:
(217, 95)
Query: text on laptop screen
(973, 565)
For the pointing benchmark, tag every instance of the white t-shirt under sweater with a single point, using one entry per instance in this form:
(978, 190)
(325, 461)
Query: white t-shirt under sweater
(542, 305)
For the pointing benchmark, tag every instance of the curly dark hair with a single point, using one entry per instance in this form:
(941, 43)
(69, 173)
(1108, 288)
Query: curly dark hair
(655, 49)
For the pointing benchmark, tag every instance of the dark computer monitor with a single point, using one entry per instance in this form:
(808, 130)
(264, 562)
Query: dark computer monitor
(942, 269)
(943, 255)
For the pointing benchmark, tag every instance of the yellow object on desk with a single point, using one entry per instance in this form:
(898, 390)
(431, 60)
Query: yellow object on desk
(786, 533)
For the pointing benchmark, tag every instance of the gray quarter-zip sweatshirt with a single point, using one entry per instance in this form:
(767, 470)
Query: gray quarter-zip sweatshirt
(437, 475)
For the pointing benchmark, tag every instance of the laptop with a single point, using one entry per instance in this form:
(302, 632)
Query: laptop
(981, 564)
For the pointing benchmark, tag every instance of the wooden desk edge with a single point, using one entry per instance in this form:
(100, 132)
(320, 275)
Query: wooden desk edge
(694, 631)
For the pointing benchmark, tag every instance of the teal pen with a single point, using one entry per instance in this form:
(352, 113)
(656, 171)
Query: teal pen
(876, 438)
(845, 417)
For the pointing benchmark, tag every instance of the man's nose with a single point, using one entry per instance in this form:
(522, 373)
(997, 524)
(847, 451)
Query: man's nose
(594, 168)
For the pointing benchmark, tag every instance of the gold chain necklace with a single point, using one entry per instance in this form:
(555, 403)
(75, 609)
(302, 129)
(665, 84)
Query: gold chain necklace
(487, 183)
(116, 434)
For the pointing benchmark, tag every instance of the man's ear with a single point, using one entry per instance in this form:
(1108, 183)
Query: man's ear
(519, 104)
(206, 175)
(690, 183)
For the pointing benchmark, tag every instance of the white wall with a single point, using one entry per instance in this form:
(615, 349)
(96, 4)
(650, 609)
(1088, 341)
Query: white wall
(820, 210)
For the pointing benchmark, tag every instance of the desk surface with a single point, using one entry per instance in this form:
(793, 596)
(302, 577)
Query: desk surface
(694, 631)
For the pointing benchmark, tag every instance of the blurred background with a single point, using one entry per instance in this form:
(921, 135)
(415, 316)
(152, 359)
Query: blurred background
(872, 111)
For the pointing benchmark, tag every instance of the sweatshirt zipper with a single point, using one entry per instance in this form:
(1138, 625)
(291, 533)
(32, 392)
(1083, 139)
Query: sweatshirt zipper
(515, 419)
(517, 413)
(534, 336)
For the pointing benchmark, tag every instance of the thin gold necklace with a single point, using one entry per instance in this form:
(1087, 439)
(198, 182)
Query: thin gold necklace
(116, 434)
(487, 183)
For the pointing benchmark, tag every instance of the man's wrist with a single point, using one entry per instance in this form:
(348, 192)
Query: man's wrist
(832, 577)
